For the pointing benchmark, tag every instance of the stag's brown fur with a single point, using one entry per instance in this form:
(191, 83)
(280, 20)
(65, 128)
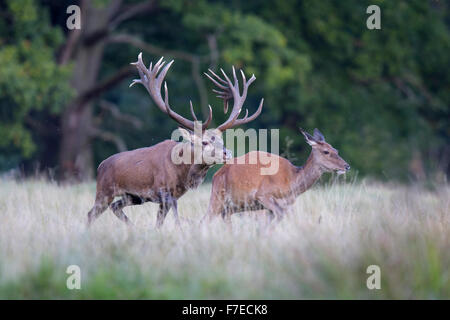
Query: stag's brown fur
(142, 175)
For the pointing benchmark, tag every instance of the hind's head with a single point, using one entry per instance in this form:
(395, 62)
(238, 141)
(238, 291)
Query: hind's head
(326, 156)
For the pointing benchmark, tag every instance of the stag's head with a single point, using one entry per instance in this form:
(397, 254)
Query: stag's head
(205, 147)
(324, 154)
(195, 133)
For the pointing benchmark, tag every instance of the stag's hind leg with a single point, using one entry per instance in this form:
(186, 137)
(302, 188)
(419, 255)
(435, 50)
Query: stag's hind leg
(100, 205)
(127, 200)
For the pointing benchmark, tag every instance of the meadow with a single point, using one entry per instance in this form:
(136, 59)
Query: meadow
(320, 250)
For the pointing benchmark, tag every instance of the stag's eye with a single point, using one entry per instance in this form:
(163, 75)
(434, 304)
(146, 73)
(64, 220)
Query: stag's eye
(204, 143)
(325, 152)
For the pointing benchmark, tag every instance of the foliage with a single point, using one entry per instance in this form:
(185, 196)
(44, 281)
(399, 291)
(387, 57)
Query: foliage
(379, 96)
(30, 80)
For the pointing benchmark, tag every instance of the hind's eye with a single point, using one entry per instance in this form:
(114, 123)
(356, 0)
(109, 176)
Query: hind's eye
(204, 143)
(325, 152)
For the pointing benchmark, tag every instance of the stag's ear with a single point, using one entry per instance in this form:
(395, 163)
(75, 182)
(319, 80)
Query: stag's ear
(185, 134)
(318, 136)
(309, 138)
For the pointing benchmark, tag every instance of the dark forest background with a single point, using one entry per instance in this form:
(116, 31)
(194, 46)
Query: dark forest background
(380, 96)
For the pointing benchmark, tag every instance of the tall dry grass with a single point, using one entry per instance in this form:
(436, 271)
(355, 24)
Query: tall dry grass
(321, 250)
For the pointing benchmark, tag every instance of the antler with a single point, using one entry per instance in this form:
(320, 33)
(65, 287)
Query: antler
(230, 90)
(150, 79)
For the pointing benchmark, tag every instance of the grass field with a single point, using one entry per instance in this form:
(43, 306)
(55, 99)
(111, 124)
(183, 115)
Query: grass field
(321, 250)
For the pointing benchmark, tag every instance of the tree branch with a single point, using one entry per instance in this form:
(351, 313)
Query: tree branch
(110, 82)
(109, 136)
(131, 11)
(115, 112)
(136, 42)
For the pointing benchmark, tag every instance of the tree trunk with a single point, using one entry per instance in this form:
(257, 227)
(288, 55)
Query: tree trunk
(85, 48)
(75, 155)
(75, 158)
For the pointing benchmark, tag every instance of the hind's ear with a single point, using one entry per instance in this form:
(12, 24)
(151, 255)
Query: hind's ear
(318, 136)
(309, 138)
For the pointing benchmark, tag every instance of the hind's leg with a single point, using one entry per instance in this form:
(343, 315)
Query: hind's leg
(275, 210)
(100, 205)
(216, 207)
(226, 216)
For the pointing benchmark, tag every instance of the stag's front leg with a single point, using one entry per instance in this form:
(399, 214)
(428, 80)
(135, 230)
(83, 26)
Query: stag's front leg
(175, 212)
(164, 207)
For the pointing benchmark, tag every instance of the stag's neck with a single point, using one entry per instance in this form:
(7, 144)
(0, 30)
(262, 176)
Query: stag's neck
(307, 175)
(189, 174)
(196, 175)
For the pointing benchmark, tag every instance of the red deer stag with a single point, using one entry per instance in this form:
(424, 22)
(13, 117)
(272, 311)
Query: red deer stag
(240, 186)
(150, 174)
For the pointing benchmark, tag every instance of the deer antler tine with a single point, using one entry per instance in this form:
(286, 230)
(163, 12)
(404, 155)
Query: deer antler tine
(218, 78)
(166, 95)
(163, 73)
(220, 92)
(166, 100)
(208, 121)
(215, 82)
(139, 57)
(250, 81)
(234, 76)
(160, 66)
(246, 115)
(140, 63)
(134, 81)
(158, 63)
(192, 111)
(246, 85)
(244, 80)
(226, 77)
